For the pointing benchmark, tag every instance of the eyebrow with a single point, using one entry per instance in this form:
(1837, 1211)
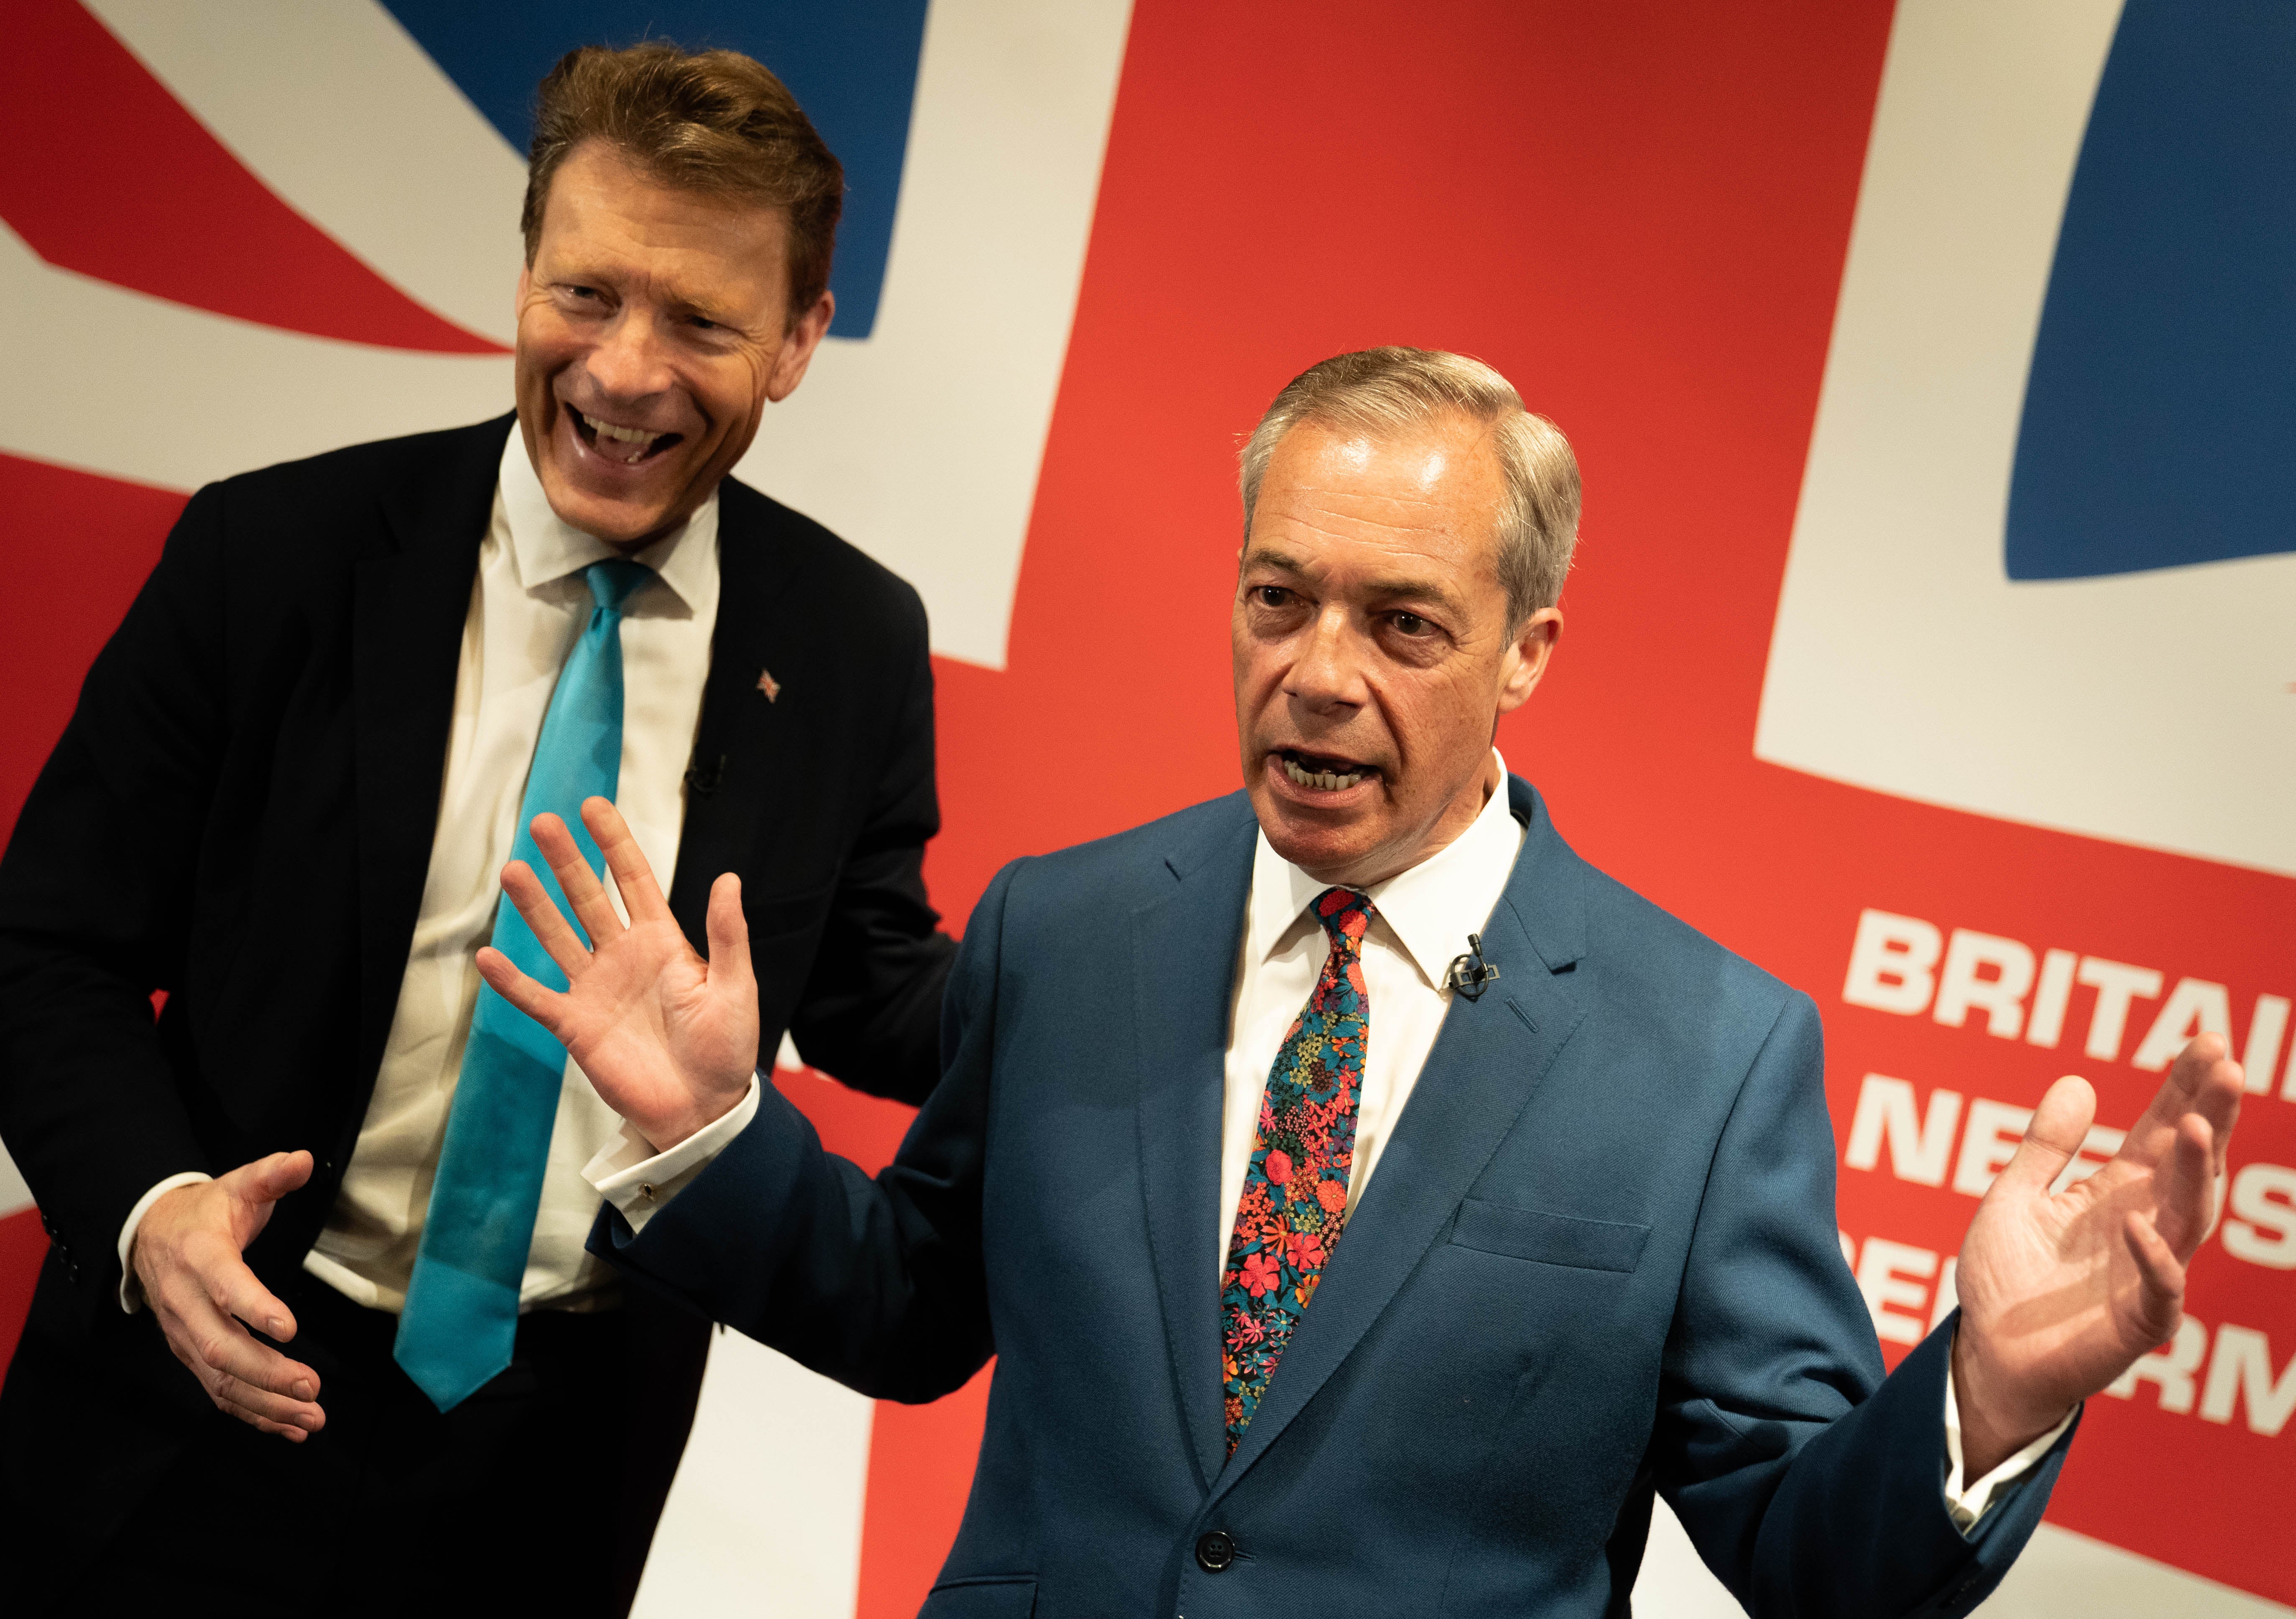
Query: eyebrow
(1402, 588)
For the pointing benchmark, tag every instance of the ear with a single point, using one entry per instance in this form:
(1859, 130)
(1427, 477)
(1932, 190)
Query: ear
(805, 335)
(1526, 659)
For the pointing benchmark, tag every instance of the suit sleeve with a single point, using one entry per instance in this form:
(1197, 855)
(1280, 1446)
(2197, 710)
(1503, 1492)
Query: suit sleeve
(880, 1284)
(95, 895)
(871, 1011)
(1810, 1484)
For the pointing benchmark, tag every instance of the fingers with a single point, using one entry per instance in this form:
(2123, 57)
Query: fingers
(235, 1288)
(584, 892)
(545, 1007)
(562, 943)
(2060, 1125)
(252, 1380)
(634, 878)
(729, 935)
(2203, 1080)
(2162, 1272)
(2184, 1186)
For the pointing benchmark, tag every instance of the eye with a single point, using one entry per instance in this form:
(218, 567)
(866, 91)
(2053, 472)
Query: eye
(1271, 595)
(1411, 624)
(701, 323)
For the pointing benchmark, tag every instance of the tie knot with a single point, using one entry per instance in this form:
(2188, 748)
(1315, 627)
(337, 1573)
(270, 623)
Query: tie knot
(612, 583)
(1345, 914)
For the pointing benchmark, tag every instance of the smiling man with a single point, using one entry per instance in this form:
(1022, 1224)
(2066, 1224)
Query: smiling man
(1369, 1204)
(317, 1261)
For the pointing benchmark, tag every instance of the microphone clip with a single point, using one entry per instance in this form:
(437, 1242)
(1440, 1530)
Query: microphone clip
(1470, 974)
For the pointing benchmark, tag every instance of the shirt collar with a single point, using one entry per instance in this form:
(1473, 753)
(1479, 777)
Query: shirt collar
(1431, 909)
(544, 547)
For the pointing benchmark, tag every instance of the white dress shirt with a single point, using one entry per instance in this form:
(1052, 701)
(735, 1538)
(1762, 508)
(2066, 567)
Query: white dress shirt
(527, 607)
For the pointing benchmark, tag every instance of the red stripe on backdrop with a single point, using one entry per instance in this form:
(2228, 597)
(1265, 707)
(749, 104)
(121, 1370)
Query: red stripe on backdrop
(23, 1246)
(109, 175)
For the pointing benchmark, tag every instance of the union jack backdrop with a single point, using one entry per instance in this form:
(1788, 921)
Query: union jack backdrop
(1931, 640)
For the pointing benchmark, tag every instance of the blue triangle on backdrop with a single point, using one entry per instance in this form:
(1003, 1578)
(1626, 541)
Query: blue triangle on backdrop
(2160, 420)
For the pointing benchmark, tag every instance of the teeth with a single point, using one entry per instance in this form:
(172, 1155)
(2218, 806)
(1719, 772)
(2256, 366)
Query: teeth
(1330, 781)
(638, 438)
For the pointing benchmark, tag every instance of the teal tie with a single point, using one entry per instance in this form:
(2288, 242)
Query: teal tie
(461, 1303)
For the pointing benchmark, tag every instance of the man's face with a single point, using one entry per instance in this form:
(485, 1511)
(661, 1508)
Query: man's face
(652, 328)
(1373, 651)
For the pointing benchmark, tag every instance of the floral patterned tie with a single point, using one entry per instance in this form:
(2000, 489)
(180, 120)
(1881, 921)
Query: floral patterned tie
(1295, 1190)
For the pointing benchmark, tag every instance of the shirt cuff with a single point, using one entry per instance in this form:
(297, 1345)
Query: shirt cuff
(639, 1181)
(131, 1290)
(1966, 1503)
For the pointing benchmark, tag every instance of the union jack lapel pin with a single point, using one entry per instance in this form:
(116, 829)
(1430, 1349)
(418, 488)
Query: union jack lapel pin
(769, 685)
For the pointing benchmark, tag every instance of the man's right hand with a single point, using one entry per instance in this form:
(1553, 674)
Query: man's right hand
(668, 1040)
(187, 1256)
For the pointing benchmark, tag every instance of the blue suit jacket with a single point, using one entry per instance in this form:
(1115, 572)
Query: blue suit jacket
(1598, 1259)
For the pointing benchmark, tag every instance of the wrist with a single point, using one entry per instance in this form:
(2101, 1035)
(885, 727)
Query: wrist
(667, 1135)
(1999, 1413)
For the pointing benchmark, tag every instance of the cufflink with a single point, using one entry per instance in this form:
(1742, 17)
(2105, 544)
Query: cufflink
(645, 1191)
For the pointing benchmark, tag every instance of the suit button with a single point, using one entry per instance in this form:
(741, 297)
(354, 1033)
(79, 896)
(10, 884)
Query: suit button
(1214, 1552)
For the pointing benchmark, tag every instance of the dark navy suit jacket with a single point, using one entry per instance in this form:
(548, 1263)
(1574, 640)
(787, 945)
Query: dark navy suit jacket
(1598, 1260)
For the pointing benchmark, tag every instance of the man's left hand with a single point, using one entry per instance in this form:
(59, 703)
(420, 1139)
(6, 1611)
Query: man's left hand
(2061, 1293)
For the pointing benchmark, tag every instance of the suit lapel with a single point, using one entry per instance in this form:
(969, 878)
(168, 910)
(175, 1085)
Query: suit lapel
(1183, 956)
(1489, 1060)
(737, 723)
(409, 604)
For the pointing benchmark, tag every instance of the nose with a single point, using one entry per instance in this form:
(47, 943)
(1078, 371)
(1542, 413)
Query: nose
(1327, 676)
(629, 361)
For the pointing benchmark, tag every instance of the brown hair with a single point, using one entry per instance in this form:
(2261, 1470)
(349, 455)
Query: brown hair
(715, 122)
(1391, 390)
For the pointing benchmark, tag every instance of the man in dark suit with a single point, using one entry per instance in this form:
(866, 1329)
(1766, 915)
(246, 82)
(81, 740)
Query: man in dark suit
(1370, 1204)
(293, 776)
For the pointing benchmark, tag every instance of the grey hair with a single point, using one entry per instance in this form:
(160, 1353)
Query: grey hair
(1395, 391)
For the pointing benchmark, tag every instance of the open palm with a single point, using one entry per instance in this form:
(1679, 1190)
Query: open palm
(668, 1039)
(2060, 1291)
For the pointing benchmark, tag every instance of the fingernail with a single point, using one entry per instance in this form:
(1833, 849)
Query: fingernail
(274, 1326)
(303, 1389)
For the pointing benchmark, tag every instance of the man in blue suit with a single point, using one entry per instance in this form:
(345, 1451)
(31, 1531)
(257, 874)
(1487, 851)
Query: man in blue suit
(1369, 1204)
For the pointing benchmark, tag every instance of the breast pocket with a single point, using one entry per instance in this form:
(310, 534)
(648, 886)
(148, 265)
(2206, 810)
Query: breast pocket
(1548, 1239)
(990, 1598)
(780, 914)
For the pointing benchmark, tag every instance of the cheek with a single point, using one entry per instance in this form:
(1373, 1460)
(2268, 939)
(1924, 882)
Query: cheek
(732, 390)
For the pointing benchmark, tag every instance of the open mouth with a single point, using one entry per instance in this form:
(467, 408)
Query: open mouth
(630, 446)
(1322, 772)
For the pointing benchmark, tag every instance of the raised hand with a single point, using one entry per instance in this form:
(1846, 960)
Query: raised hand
(186, 1255)
(2060, 1294)
(668, 1039)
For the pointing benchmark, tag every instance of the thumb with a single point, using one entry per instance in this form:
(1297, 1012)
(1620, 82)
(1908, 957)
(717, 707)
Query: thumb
(2059, 1127)
(729, 934)
(266, 1180)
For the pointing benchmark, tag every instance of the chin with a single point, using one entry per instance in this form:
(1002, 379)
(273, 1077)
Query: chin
(616, 518)
(1314, 845)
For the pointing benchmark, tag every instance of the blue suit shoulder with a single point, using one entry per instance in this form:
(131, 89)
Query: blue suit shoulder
(1673, 969)
(1087, 884)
